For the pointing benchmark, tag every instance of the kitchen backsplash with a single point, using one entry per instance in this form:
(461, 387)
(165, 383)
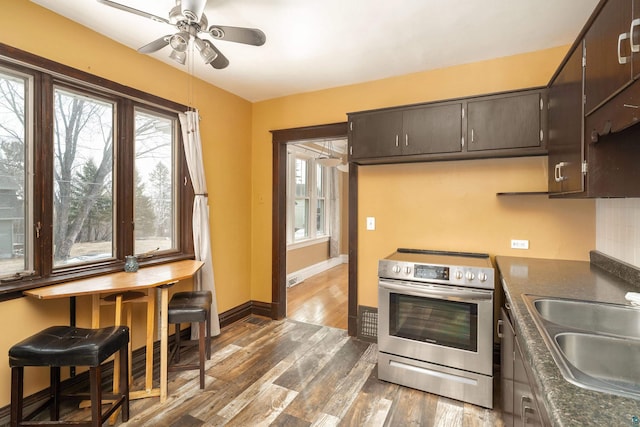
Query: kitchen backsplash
(618, 229)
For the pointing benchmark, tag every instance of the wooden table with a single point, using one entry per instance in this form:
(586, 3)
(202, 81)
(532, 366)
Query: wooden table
(148, 279)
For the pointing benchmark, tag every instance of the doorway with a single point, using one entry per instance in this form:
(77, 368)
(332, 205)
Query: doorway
(281, 139)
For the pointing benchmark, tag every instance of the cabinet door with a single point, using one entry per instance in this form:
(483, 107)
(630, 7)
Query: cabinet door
(375, 134)
(430, 130)
(504, 122)
(608, 47)
(526, 411)
(506, 368)
(566, 127)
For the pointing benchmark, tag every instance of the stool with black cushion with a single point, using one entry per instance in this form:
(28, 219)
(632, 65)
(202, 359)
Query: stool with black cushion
(59, 346)
(191, 307)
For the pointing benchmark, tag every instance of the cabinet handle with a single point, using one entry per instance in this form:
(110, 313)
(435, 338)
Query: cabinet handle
(621, 38)
(406, 139)
(472, 135)
(524, 410)
(396, 140)
(634, 24)
(558, 171)
(499, 328)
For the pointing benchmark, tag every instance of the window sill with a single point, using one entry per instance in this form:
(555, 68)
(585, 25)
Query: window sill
(307, 242)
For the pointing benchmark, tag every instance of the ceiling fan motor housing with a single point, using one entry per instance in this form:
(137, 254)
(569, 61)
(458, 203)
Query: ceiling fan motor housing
(192, 9)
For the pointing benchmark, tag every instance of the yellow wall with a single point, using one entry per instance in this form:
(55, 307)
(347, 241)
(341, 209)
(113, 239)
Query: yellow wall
(225, 127)
(304, 257)
(472, 214)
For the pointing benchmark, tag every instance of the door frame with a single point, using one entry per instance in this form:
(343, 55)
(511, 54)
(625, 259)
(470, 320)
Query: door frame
(281, 138)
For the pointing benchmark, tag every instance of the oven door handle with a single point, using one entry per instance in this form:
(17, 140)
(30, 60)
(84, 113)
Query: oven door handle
(439, 292)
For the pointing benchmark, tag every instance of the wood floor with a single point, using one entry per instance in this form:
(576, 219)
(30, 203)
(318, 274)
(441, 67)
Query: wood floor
(294, 373)
(321, 299)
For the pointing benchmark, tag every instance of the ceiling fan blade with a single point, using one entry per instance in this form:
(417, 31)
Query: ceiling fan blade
(134, 11)
(192, 9)
(251, 36)
(155, 45)
(221, 61)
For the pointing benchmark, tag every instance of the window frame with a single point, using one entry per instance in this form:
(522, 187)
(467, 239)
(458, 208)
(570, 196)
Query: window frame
(46, 75)
(294, 153)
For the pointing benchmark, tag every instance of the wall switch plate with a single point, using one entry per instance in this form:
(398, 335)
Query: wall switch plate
(519, 244)
(371, 223)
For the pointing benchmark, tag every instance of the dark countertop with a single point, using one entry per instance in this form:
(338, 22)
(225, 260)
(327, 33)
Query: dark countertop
(566, 404)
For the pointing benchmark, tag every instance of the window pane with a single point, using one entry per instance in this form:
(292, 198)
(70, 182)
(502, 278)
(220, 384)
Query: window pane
(302, 177)
(14, 185)
(320, 171)
(155, 192)
(83, 183)
(301, 225)
(320, 216)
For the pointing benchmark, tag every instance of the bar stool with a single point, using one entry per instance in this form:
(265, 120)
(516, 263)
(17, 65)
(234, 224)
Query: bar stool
(59, 346)
(191, 307)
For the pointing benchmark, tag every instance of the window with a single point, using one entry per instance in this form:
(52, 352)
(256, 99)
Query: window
(90, 171)
(82, 178)
(154, 177)
(308, 199)
(15, 181)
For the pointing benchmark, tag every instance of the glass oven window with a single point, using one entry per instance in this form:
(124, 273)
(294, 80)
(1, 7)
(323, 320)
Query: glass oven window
(446, 323)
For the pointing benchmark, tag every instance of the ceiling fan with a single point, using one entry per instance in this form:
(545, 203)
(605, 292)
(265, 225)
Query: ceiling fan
(189, 19)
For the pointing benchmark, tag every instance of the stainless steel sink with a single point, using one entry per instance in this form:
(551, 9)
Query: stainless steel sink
(590, 316)
(606, 361)
(595, 345)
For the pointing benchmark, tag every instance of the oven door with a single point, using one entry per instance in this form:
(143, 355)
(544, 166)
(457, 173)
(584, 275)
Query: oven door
(446, 325)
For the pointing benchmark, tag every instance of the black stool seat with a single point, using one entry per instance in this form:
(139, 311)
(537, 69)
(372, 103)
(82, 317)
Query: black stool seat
(188, 307)
(68, 346)
(60, 346)
(192, 306)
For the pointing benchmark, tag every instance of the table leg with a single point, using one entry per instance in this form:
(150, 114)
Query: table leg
(151, 315)
(95, 311)
(164, 337)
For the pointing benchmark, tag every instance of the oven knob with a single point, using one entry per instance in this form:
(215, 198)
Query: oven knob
(395, 269)
(459, 275)
(407, 270)
(482, 277)
(470, 276)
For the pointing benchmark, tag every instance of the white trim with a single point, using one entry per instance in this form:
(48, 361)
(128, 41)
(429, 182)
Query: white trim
(300, 276)
(308, 242)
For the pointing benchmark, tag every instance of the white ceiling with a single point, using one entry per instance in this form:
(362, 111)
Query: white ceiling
(318, 44)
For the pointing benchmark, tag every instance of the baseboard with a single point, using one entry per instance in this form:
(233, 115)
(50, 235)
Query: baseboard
(301, 275)
(240, 312)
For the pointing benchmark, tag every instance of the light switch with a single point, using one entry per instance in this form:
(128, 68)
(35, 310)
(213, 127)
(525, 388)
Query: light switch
(371, 223)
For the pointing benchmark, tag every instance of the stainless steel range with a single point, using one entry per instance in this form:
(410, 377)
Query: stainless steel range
(435, 323)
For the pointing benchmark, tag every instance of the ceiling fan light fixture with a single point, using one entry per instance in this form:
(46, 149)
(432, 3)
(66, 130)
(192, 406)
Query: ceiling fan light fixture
(329, 161)
(207, 53)
(179, 57)
(179, 41)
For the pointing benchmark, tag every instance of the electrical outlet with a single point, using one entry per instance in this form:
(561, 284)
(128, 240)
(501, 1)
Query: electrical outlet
(519, 244)
(371, 223)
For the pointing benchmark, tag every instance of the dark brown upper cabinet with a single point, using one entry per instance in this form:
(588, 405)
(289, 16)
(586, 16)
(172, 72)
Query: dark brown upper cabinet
(609, 57)
(408, 131)
(500, 125)
(593, 104)
(506, 122)
(566, 126)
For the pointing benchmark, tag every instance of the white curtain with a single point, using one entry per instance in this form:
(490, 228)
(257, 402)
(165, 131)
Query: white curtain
(189, 122)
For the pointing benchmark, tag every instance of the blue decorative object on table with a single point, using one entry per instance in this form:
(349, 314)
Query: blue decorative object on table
(130, 264)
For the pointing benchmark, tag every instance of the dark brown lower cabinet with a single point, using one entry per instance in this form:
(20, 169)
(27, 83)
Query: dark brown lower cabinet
(520, 405)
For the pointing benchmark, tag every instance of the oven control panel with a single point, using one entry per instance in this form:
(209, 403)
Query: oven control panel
(475, 277)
